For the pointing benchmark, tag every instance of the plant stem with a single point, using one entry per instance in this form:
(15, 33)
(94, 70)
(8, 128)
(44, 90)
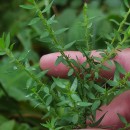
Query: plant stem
(19, 64)
(121, 25)
(55, 41)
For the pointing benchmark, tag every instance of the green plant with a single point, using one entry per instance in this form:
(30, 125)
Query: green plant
(69, 103)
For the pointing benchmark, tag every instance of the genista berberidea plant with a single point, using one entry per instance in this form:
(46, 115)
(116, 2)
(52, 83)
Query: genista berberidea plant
(68, 103)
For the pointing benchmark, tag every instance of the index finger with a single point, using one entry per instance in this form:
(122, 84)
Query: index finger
(48, 62)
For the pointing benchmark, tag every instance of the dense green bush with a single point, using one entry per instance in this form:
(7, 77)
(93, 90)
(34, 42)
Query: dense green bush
(31, 40)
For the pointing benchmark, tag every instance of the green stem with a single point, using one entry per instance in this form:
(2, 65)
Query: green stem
(21, 66)
(122, 82)
(53, 37)
(121, 25)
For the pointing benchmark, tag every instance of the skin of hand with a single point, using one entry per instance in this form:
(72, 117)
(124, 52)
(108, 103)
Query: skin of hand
(120, 104)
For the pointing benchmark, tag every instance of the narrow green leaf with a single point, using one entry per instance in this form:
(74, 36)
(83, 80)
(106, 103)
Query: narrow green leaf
(114, 21)
(75, 97)
(71, 71)
(29, 83)
(44, 35)
(62, 83)
(112, 83)
(119, 67)
(86, 86)
(89, 25)
(105, 68)
(96, 104)
(97, 122)
(46, 90)
(34, 21)
(61, 31)
(24, 55)
(75, 118)
(7, 41)
(91, 95)
(69, 45)
(28, 7)
(122, 119)
(48, 7)
(49, 100)
(74, 85)
(96, 75)
(116, 75)
(98, 88)
(84, 104)
(62, 103)
(42, 74)
(59, 60)
(11, 46)
(52, 20)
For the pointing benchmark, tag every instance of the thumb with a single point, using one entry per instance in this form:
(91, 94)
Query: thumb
(119, 105)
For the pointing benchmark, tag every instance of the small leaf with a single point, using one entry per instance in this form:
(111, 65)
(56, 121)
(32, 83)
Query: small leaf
(74, 85)
(84, 104)
(59, 60)
(119, 68)
(46, 90)
(98, 88)
(49, 100)
(96, 75)
(29, 7)
(112, 83)
(69, 45)
(52, 20)
(61, 31)
(98, 122)
(71, 71)
(11, 46)
(29, 83)
(44, 34)
(62, 83)
(7, 41)
(91, 95)
(24, 55)
(89, 25)
(105, 68)
(63, 103)
(122, 119)
(114, 21)
(48, 7)
(42, 74)
(75, 97)
(96, 104)
(116, 75)
(75, 118)
(34, 21)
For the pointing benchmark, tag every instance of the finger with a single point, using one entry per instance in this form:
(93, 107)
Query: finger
(121, 105)
(48, 62)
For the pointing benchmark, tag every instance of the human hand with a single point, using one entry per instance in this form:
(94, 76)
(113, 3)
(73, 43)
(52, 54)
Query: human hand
(121, 104)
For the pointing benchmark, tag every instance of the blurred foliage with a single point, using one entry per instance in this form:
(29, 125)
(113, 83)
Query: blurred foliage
(16, 110)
